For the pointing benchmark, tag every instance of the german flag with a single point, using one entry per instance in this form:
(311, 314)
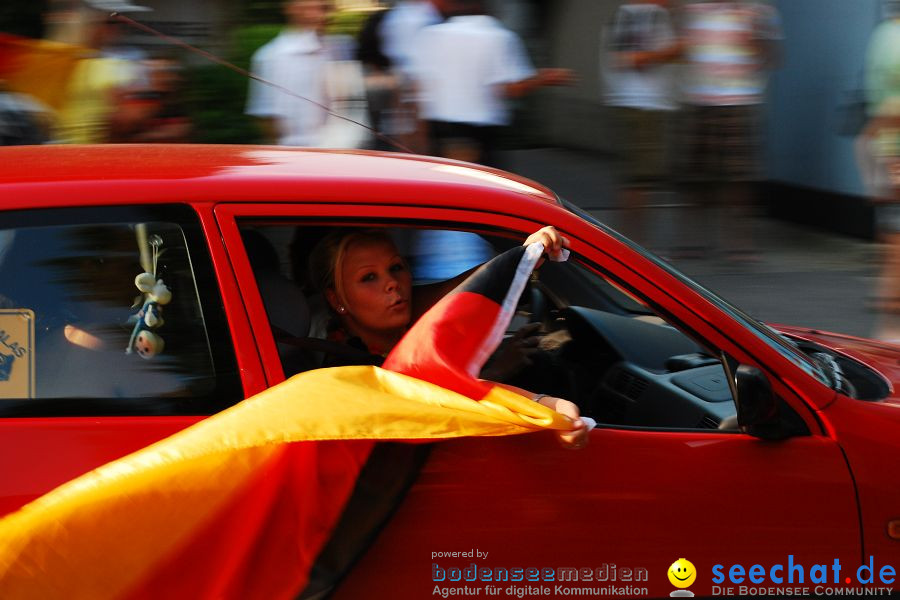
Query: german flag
(242, 504)
(451, 342)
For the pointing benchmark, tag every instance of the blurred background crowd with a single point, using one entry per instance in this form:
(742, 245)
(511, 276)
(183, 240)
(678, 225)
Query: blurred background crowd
(711, 107)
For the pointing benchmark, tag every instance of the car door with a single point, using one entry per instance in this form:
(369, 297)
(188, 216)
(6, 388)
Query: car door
(625, 508)
(81, 391)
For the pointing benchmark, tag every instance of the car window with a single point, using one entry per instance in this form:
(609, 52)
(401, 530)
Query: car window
(763, 332)
(598, 343)
(82, 331)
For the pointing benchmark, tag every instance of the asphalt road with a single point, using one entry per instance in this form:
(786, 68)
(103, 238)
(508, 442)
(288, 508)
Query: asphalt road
(802, 276)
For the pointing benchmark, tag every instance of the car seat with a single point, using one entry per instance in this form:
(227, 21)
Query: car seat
(285, 303)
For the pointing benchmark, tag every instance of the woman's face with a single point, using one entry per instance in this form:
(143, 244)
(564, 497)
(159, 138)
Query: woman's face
(376, 285)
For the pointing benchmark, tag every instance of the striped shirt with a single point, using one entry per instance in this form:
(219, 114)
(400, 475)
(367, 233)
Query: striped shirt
(725, 48)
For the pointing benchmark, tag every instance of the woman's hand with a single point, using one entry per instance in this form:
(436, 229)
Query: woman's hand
(553, 241)
(575, 438)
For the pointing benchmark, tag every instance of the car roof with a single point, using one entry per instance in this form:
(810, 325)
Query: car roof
(66, 175)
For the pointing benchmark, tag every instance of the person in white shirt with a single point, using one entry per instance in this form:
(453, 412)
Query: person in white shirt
(466, 69)
(309, 82)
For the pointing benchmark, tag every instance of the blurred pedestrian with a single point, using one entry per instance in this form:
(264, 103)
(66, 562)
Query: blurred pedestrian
(99, 80)
(383, 84)
(155, 111)
(396, 31)
(729, 49)
(312, 78)
(640, 46)
(466, 69)
(878, 149)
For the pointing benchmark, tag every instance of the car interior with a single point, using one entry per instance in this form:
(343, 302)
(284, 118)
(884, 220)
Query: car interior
(79, 282)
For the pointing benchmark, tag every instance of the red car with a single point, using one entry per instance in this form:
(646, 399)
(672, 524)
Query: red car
(755, 454)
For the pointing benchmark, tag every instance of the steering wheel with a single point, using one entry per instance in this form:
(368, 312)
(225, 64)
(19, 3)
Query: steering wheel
(535, 303)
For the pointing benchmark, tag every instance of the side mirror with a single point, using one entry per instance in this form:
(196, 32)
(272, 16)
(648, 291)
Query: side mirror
(757, 406)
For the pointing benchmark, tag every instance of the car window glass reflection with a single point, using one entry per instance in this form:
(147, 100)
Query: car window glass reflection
(97, 332)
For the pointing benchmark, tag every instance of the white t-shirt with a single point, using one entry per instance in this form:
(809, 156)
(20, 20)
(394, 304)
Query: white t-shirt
(638, 28)
(460, 66)
(295, 60)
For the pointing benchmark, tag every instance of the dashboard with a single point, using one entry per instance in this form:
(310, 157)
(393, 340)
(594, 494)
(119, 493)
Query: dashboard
(640, 371)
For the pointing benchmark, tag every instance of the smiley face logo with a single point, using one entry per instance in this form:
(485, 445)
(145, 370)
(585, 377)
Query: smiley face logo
(682, 573)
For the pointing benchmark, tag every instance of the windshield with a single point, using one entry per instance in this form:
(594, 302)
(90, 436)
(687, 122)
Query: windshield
(762, 331)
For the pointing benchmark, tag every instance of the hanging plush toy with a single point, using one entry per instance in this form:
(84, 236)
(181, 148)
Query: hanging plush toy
(146, 342)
